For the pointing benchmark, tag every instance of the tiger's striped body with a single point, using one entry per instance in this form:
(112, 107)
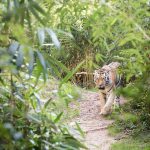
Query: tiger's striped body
(106, 79)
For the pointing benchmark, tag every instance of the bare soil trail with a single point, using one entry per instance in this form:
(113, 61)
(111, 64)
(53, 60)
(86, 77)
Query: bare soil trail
(94, 125)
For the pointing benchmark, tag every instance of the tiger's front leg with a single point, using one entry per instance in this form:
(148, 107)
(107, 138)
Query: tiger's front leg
(107, 107)
(102, 101)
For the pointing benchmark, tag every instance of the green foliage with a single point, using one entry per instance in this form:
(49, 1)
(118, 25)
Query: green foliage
(139, 94)
(68, 92)
(66, 102)
(90, 34)
(33, 124)
(127, 117)
(71, 16)
(25, 122)
(126, 122)
(133, 143)
(129, 130)
(120, 29)
(19, 11)
(113, 130)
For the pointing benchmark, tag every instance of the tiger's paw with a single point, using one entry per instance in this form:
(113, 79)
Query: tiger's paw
(104, 112)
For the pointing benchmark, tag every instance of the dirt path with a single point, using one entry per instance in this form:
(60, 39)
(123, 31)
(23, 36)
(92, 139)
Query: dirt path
(94, 126)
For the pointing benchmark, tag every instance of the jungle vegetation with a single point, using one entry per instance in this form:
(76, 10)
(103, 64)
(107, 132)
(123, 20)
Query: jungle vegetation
(52, 40)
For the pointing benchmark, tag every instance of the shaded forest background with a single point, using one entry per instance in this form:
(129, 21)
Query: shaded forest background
(45, 41)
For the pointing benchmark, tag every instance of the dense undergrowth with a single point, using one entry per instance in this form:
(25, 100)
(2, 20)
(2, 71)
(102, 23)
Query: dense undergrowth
(128, 129)
(134, 143)
(40, 39)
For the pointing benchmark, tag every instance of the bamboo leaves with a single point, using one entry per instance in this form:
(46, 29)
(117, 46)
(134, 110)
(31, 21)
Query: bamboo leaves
(42, 32)
(20, 10)
(53, 37)
(70, 74)
(41, 36)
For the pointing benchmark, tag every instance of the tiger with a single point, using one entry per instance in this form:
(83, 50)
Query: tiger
(107, 80)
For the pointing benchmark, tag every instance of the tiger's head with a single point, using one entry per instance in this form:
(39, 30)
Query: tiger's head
(102, 78)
